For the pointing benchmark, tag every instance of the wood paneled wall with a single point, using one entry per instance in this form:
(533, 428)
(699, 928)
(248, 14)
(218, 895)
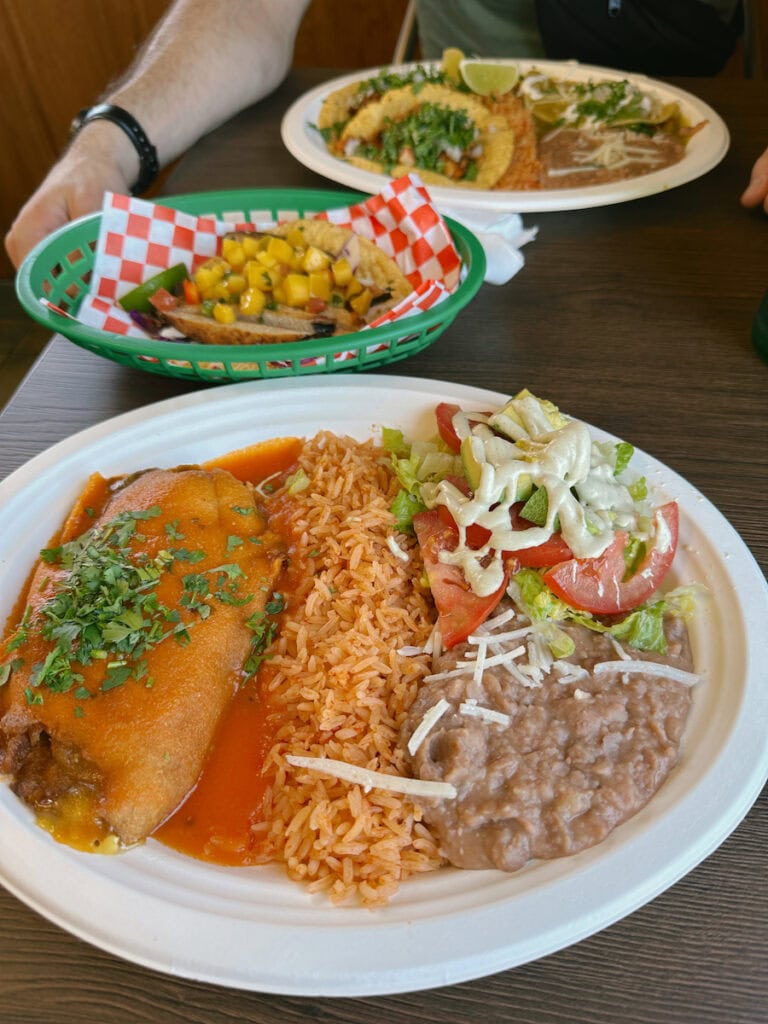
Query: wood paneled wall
(57, 56)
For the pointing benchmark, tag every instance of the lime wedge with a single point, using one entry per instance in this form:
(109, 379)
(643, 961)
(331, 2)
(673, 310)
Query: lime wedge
(451, 63)
(489, 78)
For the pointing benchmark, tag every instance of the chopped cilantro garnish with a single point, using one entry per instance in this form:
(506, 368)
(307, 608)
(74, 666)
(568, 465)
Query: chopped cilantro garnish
(430, 132)
(172, 529)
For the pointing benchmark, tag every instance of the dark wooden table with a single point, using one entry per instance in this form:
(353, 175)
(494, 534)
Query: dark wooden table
(636, 318)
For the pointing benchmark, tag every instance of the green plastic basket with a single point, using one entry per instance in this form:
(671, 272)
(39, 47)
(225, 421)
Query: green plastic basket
(59, 269)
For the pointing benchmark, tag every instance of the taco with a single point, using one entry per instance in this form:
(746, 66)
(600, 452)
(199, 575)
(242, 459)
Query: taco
(342, 104)
(449, 137)
(305, 279)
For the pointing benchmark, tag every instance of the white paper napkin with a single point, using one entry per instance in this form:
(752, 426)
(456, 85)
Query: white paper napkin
(501, 235)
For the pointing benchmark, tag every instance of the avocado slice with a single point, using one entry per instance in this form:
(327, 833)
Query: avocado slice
(509, 412)
(472, 459)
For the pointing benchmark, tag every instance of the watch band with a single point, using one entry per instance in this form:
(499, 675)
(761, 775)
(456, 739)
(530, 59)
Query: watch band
(149, 166)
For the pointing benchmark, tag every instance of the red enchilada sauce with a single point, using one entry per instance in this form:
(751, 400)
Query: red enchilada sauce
(224, 820)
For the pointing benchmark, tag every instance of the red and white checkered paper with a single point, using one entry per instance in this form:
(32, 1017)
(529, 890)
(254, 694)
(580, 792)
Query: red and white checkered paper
(138, 239)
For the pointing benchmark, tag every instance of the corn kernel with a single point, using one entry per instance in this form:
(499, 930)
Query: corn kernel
(252, 302)
(362, 302)
(316, 259)
(296, 287)
(280, 249)
(223, 313)
(320, 284)
(342, 272)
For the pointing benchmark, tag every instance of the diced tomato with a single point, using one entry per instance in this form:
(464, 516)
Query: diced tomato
(315, 305)
(459, 609)
(444, 414)
(162, 300)
(597, 584)
(191, 292)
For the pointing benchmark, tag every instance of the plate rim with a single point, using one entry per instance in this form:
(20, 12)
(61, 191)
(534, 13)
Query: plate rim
(455, 963)
(293, 131)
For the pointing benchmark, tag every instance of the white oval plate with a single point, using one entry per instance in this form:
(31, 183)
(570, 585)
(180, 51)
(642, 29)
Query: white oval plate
(251, 928)
(705, 150)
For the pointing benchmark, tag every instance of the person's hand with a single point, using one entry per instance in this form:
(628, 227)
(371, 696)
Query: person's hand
(73, 187)
(757, 190)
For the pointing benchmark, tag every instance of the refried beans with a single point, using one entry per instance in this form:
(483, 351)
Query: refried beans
(545, 767)
(574, 158)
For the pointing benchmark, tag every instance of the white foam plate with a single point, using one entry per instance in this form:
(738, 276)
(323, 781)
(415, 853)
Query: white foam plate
(252, 928)
(704, 151)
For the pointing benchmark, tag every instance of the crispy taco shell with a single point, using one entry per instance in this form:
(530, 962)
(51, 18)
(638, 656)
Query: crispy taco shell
(495, 136)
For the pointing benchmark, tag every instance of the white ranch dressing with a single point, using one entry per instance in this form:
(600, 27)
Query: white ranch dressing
(582, 491)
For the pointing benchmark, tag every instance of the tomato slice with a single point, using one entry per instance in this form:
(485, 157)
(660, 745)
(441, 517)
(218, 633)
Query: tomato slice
(597, 584)
(444, 414)
(459, 609)
(550, 552)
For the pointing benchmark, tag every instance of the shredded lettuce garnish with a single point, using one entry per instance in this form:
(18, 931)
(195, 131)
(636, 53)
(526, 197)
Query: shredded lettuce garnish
(415, 465)
(642, 628)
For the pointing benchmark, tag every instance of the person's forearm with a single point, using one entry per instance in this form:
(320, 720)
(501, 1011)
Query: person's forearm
(206, 60)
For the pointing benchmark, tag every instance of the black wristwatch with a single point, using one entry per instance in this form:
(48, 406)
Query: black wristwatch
(149, 166)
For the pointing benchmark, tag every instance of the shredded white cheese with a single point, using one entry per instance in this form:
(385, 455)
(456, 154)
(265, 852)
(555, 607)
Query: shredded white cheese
(649, 668)
(496, 659)
(425, 726)
(618, 648)
(487, 714)
(373, 780)
(396, 550)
